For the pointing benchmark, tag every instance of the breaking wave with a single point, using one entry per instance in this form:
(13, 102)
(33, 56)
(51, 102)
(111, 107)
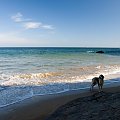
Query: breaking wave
(71, 75)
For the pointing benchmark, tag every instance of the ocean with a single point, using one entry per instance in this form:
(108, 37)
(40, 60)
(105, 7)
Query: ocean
(30, 71)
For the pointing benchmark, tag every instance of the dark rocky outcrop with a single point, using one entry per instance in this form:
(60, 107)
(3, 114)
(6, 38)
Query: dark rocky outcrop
(100, 51)
(100, 106)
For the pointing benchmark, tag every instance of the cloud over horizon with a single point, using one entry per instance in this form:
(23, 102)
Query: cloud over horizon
(19, 18)
(29, 23)
(32, 25)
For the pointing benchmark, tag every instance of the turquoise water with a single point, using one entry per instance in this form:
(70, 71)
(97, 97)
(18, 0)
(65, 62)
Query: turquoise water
(29, 60)
(25, 72)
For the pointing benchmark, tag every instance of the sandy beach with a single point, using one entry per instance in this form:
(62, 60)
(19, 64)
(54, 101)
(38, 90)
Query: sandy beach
(99, 106)
(40, 107)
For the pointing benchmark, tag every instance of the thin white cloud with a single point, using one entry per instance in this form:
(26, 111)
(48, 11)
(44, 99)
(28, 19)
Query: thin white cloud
(35, 25)
(49, 27)
(32, 25)
(29, 23)
(19, 18)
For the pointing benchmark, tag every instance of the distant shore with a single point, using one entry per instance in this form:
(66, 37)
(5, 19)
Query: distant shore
(40, 107)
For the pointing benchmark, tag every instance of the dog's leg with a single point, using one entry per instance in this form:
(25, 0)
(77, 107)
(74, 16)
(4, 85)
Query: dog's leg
(91, 88)
(99, 88)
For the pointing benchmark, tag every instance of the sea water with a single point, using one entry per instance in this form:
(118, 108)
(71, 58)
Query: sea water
(25, 72)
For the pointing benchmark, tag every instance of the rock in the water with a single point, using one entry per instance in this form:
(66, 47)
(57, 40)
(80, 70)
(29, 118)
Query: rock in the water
(100, 51)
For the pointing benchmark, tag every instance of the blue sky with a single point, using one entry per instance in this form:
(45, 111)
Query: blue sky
(60, 23)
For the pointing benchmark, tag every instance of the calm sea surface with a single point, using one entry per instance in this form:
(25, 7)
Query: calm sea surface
(25, 72)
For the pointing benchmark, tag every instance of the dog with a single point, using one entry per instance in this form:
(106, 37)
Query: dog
(99, 81)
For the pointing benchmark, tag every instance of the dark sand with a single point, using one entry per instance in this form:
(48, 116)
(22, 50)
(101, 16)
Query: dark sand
(40, 107)
(100, 106)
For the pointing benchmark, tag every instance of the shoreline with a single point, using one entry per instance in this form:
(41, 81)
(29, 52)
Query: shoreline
(109, 79)
(52, 102)
(39, 107)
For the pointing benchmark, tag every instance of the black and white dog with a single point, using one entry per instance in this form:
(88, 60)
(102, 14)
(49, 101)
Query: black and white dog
(98, 80)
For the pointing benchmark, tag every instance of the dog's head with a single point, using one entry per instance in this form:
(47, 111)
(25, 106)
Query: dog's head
(101, 77)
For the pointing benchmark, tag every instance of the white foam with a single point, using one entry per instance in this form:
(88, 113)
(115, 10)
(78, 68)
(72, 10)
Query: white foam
(90, 51)
(18, 87)
(67, 76)
(13, 95)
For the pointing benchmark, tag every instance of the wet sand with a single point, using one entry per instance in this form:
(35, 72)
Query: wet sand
(99, 106)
